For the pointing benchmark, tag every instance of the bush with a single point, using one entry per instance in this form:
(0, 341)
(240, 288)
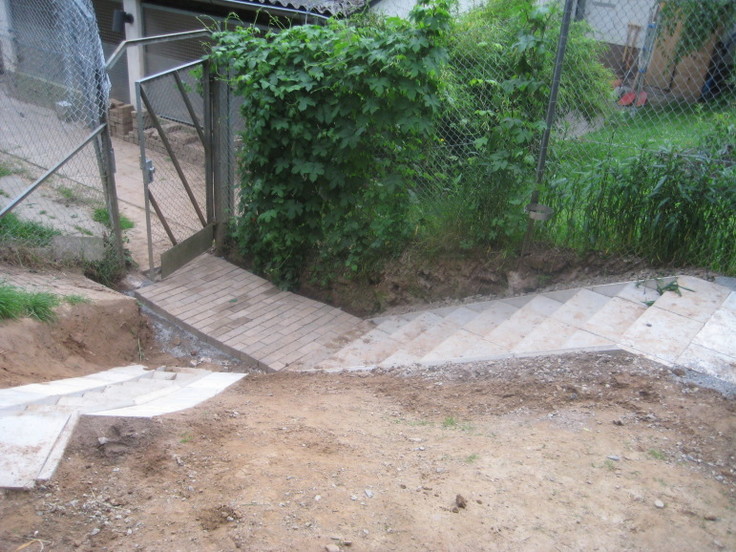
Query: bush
(335, 117)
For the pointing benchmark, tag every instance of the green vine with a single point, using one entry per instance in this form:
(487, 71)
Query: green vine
(336, 115)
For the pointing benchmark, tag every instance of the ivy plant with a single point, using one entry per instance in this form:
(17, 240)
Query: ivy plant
(335, 117)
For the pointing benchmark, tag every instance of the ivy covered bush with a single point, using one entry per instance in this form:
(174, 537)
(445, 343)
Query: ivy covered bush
(335, 120)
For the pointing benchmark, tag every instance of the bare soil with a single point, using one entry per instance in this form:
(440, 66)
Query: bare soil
(582, 452)
(417, 279)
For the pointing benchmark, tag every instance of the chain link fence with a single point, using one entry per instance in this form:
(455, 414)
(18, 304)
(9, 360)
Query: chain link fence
(53, 97)
(650, 170)
(641, 152)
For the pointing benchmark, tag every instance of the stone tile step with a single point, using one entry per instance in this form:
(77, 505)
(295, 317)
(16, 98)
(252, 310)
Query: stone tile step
(422, 344)
(520, 324)
(186, 397)
(26, 440)
(493, 315)
(461, 345)
(17, 398)
(660, 334)
(580, 307)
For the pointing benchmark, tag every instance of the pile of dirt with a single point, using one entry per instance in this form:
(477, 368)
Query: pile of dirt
(85, 338)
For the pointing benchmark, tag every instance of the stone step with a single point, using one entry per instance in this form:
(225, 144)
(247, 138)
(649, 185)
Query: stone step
(522, 323)
(414, 349)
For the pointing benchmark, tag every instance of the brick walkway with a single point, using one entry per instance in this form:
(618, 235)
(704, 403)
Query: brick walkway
(249, 316)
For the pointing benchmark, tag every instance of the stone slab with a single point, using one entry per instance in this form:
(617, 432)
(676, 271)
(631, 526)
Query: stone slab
(26, 440)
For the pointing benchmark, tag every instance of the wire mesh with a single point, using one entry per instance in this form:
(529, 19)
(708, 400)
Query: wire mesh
(645, 123)
(177, 157)
(645, 166)
(53, 91)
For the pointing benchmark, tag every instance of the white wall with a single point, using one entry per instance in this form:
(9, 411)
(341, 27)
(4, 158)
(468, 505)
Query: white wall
(610, 19)
(8, 60)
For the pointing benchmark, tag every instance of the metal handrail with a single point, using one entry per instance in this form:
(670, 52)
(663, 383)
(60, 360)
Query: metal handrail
(118, 53)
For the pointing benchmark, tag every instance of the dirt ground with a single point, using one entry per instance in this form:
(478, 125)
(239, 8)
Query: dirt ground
(584, 452)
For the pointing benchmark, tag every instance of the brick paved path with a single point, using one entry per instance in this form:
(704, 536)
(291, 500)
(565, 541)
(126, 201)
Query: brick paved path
(249, 316)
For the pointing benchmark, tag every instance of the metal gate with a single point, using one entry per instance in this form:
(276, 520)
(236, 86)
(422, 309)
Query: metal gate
(183, 182)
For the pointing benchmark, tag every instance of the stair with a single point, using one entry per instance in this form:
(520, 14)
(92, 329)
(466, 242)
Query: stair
(689, 328)
(37, 420)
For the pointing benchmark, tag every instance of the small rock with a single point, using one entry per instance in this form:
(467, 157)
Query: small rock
(94, 531)
(613, 457)
(460, 501)
(618, 422)
(659, 504)
(368, 493)
(710, 517)
(332, 548)
(317, 498)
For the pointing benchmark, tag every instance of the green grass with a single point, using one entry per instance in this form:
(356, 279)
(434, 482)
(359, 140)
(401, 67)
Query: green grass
(5, 170)
(102, 215)
(657, 454)
(84, 231)
(16, 229)
(18, 303)
(75, 299)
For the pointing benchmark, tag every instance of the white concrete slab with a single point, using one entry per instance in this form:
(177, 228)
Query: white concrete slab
(697, 299)
(25, 443)
(187, 397)
(490, 318)
(661, 334)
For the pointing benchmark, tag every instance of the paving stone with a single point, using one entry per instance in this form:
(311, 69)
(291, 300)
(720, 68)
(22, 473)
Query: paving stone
(661, 334)
(697, 299)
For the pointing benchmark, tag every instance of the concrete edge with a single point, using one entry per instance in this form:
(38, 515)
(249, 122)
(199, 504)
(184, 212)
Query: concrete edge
(211, 341)
(470, 360)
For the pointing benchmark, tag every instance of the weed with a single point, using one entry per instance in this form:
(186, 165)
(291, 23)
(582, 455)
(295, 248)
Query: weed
(5, 170)
(449, 423)
(657, 454)
(472, 458)
(107, 271)
(84, 231)
(3, 193)
(609, 465)
(75, 299)
(66, 193)
(186, 437)
(102, 215)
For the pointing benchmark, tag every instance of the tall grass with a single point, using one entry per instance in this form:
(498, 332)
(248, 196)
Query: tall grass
(18, 303)
(675, 205)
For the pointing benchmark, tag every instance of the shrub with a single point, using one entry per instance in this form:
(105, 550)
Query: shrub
(335, 116)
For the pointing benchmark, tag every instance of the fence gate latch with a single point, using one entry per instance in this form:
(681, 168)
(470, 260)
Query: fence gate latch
(150, 169)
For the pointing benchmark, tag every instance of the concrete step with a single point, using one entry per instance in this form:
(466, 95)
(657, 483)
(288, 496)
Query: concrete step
(430, 336)
(37, 422)
(523, 322)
